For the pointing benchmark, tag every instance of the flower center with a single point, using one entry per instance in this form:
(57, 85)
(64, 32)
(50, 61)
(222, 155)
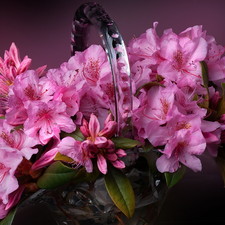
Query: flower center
(7, 138)
(92, 71)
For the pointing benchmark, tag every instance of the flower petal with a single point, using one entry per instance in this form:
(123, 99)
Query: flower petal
(102, 164)
(94, 126)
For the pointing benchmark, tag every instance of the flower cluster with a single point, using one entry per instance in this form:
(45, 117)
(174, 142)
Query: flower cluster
(175, 97)
(67, 114)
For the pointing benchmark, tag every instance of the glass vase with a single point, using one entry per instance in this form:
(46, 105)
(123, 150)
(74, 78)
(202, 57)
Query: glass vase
(90, 204)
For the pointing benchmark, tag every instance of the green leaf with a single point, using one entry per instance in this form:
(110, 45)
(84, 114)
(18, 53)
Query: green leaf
(173, 178)
(221, 103)
(64, 158)
(205, 74)
(120, 190)
(9, 218)
(124, 143)
(84, 176)
(56, 175)
(205, 79)
(148, 86)
(77, 135)
(148, 146)
(220, 161)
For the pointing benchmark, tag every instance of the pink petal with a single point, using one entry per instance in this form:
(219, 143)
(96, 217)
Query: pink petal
(112, 157)
(84, 129)
(121, 153)
(102, 164)
(94, 126)
(109, 130)
(14, 197)
(45, 160)
(118, 164)
(101, 142)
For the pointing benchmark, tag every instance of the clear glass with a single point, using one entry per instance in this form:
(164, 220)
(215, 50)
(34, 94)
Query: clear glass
(90, 204)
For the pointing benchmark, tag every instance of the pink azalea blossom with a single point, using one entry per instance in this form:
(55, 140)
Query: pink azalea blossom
(16, 141)
(160, 135)
(10, 67)
(47, 120)
(97, 145)
(28, 87)
(181, 148)
(181, 60)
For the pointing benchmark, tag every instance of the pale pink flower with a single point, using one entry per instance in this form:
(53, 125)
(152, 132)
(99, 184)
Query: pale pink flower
(70, 96)
(16, 114)
(29, 87)
(144, 47)
(182, 148)
(92, 64)
(160, 135)
(180, 60)
(16, 141)
(47, 120)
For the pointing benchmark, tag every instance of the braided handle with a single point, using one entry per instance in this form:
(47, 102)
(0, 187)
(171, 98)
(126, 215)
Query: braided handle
(90, 14)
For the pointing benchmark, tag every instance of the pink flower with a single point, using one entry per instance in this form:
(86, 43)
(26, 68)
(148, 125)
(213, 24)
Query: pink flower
(8, 164)
(16, 141)
(182, 147)
(181, 59)
(70, 96)
(91, 63)
(97, 144)
(47, 120)
(45, 160)
(10, 67)
(28, 87)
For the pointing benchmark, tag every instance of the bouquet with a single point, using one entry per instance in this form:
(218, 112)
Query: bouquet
(64, 125)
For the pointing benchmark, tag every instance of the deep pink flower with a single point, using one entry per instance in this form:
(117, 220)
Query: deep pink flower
(10, 67)
(97, 145)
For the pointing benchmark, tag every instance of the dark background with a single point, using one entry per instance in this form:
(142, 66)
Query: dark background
(41, 30)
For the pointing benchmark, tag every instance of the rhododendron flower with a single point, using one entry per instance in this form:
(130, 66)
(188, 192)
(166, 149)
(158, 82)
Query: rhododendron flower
(97, 145)
(10, 67)
(91, 63)
(181, 60)
(181, 148)
(16, 141)
(47, 120)
(28, 87)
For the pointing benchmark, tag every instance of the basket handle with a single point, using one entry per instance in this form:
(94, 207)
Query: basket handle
(90, 14)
